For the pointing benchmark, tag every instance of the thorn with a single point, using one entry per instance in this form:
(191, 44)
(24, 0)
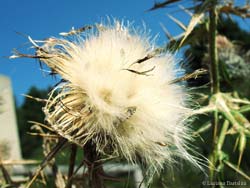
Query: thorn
(178, 22)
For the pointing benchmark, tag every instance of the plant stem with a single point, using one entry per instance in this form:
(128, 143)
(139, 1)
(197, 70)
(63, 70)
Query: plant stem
(71, 165)
(94, 167)
(47, 159)
(214, 76)
(214, 69)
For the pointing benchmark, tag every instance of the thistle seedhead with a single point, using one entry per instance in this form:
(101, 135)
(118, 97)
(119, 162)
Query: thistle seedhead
(117, 93)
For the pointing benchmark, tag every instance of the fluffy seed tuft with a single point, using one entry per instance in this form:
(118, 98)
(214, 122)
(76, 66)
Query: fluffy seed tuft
(118, 95)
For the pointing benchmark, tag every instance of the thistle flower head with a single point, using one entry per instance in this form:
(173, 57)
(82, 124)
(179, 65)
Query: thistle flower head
(117, 93)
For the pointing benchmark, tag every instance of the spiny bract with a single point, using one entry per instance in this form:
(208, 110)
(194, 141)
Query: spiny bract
(114, 98)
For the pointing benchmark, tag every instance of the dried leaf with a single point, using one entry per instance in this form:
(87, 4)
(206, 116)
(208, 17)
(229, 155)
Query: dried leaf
(194, 75)
(243, 11)
(141, 72)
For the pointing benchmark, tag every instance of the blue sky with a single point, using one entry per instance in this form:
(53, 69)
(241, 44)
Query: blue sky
(45, 18)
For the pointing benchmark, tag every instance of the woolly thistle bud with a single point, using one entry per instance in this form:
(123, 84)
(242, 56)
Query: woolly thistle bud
(117, 94)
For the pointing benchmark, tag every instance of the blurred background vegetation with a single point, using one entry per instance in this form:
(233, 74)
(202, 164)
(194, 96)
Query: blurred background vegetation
(230, 160)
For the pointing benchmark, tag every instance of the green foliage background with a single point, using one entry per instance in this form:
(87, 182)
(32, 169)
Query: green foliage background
(31, 110)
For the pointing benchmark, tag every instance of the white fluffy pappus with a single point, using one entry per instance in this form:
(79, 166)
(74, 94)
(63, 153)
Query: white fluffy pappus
(127, 107)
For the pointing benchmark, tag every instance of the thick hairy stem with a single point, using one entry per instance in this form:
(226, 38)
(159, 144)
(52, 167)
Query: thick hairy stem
(95, 169)
(214, 69)
(214, 74)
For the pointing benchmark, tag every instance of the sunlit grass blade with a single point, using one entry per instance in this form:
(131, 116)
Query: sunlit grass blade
(235, 168)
